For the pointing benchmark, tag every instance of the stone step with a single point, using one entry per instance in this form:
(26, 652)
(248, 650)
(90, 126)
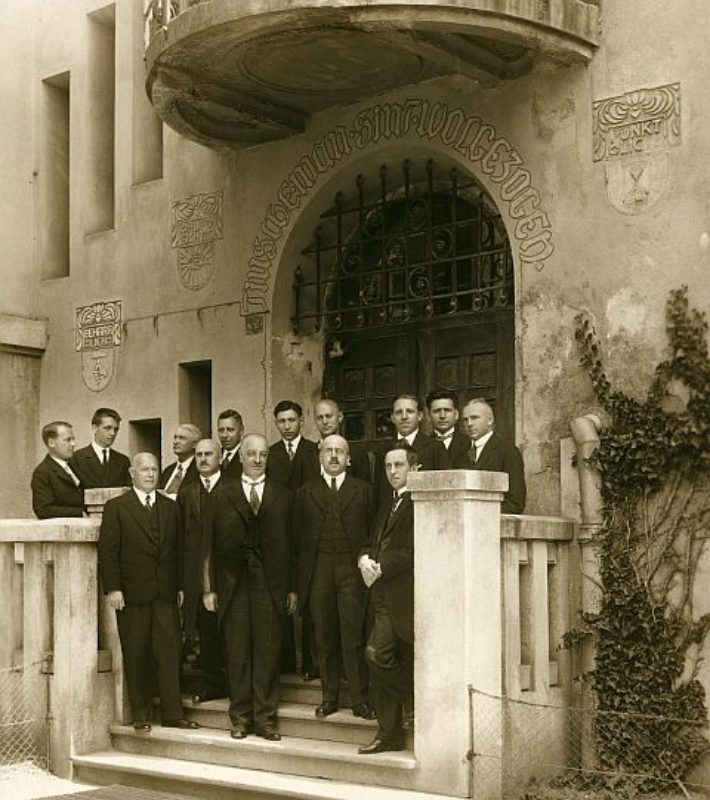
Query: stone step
(292, 755)
(295, 690)
(213, 782)
(295, 720)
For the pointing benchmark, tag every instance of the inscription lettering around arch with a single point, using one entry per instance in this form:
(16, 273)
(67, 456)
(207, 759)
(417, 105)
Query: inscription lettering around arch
(468, 134)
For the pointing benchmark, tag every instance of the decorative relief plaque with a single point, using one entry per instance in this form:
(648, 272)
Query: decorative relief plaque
(97, 336)
(197, 225)
(632, 134)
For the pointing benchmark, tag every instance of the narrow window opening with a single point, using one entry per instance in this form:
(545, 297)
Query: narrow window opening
(195, 395)
(101, 119)
(53, 222)
(145, 436)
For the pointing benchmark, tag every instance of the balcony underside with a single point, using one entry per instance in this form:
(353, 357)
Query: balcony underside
(229, 73)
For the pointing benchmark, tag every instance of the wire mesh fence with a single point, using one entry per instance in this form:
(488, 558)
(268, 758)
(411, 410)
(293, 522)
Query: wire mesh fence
(527, 750)
(23, 717)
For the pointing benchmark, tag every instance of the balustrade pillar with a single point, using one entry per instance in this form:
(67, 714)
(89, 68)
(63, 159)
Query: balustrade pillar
(458, 737)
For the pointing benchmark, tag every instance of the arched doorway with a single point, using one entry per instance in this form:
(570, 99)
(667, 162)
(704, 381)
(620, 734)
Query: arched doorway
(409, 279)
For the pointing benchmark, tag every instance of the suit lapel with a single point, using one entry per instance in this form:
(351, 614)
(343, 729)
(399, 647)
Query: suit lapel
(487, 454)
(235, 493)
(140, 514)
(267, 498)
(347, 492)
(61, 473)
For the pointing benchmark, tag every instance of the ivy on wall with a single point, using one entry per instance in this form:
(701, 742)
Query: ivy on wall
(654, 460)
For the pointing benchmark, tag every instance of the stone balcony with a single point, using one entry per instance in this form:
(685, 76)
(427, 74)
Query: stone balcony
(230, 73)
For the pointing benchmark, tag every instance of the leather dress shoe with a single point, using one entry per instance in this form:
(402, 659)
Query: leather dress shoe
(141, 726)
(364, 711)
(238, 732)
(268, 732)
(205, 697)
(183, 724)
(326, 709)
(378, 746)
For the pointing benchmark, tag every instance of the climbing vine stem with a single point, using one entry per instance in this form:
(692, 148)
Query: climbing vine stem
(654, 460)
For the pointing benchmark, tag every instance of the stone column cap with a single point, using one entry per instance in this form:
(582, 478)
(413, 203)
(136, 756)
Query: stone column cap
(458, 480)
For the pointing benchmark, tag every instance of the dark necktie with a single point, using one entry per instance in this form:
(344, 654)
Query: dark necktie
(395, 502)
(254, 499)
(334, 486)
(291, 452)
(206, 482)
(105, 454)
(148, 504)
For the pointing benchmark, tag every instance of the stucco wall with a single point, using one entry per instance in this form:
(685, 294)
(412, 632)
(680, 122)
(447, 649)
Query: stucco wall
(619, 267)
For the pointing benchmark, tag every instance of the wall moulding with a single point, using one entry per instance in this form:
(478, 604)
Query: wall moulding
(490, 154)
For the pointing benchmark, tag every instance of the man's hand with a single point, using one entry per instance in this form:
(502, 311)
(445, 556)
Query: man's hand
(115, 600)
(180, 598)
(210, 601)
(291, 602)
(369, 569)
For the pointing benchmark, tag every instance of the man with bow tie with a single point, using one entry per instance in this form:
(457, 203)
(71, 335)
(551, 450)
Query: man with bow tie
(489, 451)
(249, 585)
(332, 517)
(230, 429)
(443, 408)
(387, 568)
(98, 464)
(56, 489)
(195, 513)
(139, 564)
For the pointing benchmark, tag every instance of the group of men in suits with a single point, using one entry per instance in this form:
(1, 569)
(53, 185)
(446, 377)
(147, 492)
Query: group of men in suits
(257, 533)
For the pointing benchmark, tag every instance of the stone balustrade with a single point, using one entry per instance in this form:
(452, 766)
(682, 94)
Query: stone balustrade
(491, 601)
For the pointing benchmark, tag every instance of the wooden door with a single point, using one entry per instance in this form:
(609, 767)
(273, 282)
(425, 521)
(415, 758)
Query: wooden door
(473, 356)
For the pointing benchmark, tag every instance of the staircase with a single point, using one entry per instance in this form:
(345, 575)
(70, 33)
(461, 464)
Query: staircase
(314, 759)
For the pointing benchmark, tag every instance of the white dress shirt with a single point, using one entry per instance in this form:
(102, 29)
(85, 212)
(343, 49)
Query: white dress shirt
(258, 484)
(481, 442)
(65, 466)
(100, 451)
(328, 478)
(141, 495)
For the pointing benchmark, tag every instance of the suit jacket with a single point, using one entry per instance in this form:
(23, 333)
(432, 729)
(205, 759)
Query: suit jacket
(54, 493)
(293, 473)
(237, 535)
(500, 455)
(131, 559)
(92, 473)
(190, 476)
(190, 521)
(310, 505)
(460, 445)
(431, 456)
(233, 470)
(393, 548)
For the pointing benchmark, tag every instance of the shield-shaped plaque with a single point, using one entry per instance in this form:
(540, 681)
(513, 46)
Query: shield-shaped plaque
(634, 185)
(97, 368)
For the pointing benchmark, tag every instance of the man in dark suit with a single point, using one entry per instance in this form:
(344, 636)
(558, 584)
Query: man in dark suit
(328, 418)
(407, 416)
(332, 517)
(443, 408)
(139, 564)
(196, 507)
(387, 567)
(230, 429)
(56, 490)
(98, 464)
(489, 451)
(183, 471)
(293, 460)
(248, 582)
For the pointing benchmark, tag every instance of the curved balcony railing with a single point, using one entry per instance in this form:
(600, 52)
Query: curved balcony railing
(227, 72)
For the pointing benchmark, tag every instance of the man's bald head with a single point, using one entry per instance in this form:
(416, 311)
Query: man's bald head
(207, 456)
(334, 455)
(328, 417)
(144, 472)
(253, 454)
